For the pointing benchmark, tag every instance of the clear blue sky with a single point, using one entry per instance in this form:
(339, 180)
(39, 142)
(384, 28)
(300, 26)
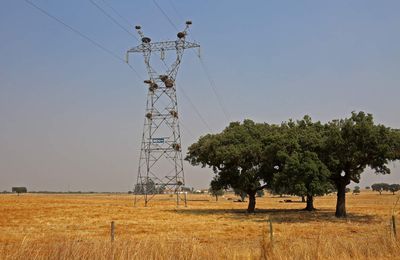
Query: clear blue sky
(71, 115)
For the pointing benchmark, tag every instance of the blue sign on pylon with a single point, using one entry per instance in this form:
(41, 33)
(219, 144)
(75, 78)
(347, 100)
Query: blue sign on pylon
(158, 140)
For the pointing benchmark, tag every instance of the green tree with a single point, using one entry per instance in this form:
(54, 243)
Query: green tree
(394, 188)
(356, 190)
(351, 145)
(278, 188)
(235, 155)
(215, 189)
(379, 187)
(303, 173)
(241, 194)
(19, 190)
(260, 193)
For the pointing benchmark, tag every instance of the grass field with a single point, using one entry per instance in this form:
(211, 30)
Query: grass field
(34, 226)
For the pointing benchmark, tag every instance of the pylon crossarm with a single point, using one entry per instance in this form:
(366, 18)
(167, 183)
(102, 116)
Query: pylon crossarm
(163, 46)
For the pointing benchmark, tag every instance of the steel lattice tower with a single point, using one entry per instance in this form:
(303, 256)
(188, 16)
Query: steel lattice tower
(161, 164)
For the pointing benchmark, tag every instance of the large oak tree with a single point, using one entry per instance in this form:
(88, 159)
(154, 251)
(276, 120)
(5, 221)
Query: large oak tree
(351, 145)
(235, 155)
(302, 172)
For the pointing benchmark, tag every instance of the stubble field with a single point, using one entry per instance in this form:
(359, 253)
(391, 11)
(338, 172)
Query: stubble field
(34, 226)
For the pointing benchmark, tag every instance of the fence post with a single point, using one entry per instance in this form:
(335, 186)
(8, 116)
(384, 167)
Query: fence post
(185, 194)
(112, 231)
(271, 233)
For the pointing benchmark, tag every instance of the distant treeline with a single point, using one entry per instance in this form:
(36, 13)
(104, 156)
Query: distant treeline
(72, 192)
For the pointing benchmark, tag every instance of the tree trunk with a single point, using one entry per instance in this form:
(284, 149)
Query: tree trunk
(310, 203)
(252, 202)
(216, 197)
(380, 192)
(303, 199)
(341, 200)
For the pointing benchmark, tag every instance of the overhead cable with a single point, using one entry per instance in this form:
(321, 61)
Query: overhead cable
(95, 43)
(203, 65)
(112, 19)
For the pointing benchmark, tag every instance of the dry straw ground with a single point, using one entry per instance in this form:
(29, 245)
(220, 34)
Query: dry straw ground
(78, 227)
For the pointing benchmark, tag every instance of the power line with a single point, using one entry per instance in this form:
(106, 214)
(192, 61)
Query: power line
(98, 45)
(196, 110)
(165, 15)
(213, 87)
(204, 67)
(132, 68)
(184, 94)
(104, 49)
(191, 103)
(112, 19)
(187, 130)
(117, 13)
(175, 9)
(115, 56)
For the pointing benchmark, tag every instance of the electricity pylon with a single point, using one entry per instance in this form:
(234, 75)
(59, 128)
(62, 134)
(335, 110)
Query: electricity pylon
(160, 167)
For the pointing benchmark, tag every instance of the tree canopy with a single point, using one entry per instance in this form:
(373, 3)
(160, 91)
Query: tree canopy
(303, 158)
(379, 187)
(302, 173)
(215, 189)
(235, 155)
(19, 190)
(394, 188)
(351, 145)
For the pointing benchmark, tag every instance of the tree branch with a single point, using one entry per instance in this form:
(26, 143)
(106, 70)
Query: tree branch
(262, 187)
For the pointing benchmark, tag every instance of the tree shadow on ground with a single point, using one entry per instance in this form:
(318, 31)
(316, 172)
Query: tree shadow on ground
(281, 215)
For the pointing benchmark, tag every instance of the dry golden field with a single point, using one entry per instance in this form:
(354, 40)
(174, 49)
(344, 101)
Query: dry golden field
(34, 226)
